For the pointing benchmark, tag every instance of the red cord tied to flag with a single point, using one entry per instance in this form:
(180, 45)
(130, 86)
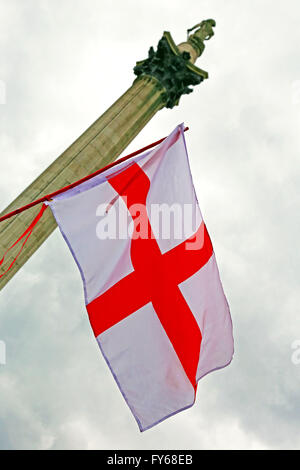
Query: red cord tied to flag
(25, 236)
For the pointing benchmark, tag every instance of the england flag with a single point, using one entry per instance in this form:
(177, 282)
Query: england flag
(151, 283)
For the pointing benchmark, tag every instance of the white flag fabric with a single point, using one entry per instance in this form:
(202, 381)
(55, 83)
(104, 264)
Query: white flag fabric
(151, 283)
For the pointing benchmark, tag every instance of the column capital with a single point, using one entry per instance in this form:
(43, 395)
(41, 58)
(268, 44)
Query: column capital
(172, 66)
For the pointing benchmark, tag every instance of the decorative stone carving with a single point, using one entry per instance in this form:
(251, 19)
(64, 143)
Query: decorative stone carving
(172, 68)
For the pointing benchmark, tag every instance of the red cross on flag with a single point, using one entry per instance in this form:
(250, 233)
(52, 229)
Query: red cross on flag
(152, 288)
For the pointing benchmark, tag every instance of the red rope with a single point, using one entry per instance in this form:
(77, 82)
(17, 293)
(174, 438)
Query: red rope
(27, 232)
(82, 180)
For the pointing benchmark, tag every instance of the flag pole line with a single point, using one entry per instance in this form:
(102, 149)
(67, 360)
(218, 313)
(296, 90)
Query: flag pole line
(82, 180)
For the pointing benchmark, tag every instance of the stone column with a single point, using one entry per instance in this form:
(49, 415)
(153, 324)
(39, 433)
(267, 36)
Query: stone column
(161, 80)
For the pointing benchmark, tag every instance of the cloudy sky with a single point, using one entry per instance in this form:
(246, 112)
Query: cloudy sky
(63, 62)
